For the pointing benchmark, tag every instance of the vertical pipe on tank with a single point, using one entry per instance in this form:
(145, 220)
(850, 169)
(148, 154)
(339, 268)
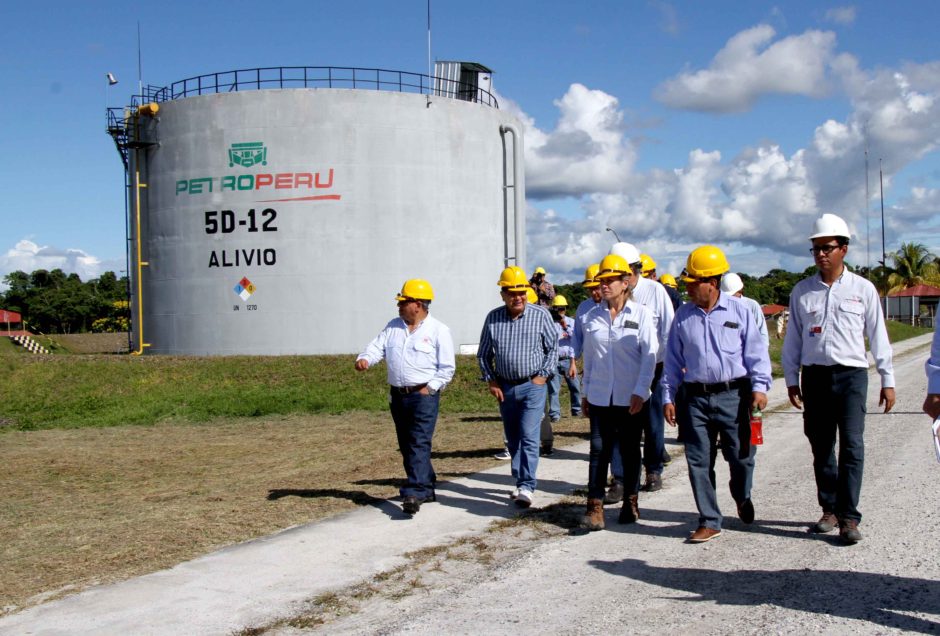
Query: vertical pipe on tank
(140, 265)
(518, 195)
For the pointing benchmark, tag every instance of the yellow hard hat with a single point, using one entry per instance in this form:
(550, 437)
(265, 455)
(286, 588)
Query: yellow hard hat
(415, 289)
(648, 264)
(513, 279)
(613, 266)
(703, 262)
(668, 280)
(538, 270)
(560, 301)
(531, 297)
(589, 275)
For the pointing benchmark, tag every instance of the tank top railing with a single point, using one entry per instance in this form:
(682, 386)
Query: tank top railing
(319, 77)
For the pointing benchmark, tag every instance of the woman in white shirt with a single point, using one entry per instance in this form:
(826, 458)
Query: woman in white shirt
(619, 349)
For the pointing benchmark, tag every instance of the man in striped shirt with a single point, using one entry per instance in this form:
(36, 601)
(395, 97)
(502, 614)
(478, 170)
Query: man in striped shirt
(517, 355)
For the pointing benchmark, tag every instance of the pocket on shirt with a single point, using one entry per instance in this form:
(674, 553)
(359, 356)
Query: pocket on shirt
(424, 347)
(729, 340)
(853, 314)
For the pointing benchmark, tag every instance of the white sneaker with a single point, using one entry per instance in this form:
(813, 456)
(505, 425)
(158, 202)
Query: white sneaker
(503, 454)
(524, 498)
(514, 494)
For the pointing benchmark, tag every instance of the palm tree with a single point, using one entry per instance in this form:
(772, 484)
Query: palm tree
(913, 265)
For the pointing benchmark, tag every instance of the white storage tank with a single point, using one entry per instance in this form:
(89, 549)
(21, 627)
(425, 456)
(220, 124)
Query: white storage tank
(284, 219)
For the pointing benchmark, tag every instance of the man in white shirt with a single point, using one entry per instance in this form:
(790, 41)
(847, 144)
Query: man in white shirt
(831, 313)
(419, 354)
(732, 284)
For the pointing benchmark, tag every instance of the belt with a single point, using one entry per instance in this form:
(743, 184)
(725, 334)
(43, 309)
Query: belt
(515, 382)
(405, 390)
(703, 388)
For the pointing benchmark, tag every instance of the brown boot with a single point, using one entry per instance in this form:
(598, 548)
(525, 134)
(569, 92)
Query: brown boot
(630, 511)
(594, 517)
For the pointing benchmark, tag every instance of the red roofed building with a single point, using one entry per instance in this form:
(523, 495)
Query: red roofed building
(11, 322)
(915, 305)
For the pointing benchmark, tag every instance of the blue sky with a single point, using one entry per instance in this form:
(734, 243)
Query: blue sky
(675, 123)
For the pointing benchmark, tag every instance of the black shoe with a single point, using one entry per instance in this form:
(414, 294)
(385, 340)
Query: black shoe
(614, 493)
(547, 451)
(666, 457)
(630, 511)
(410, 505)
(746, 511)
(654, 482)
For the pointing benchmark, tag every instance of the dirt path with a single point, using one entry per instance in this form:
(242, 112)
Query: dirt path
(769, 577)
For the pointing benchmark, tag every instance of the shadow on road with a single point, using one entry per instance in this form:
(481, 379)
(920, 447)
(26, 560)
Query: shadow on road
(877, 598)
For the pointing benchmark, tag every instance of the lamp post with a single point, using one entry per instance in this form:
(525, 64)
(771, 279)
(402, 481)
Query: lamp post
(614, 233)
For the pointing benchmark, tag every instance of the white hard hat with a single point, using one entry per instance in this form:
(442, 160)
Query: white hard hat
(626, 251)
(731, 283)
(829, 225)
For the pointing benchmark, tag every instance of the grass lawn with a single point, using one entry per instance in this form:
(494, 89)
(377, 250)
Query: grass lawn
(115, 466)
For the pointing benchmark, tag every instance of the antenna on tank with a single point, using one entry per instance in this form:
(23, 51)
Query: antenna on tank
(430, 77)
(140, 73)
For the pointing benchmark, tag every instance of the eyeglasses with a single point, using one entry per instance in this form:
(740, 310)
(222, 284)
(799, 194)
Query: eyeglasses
(824, 249)
(607, 282)
(688, 278)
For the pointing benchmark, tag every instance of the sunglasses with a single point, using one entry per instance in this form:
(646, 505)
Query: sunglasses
(824, 249)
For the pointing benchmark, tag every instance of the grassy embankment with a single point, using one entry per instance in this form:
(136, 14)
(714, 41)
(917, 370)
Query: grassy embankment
(80, 391)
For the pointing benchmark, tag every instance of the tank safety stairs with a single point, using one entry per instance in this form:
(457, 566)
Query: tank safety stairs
(29, 344)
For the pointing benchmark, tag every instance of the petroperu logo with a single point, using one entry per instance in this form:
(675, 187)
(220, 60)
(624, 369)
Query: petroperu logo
(255, 153)
(248, 154)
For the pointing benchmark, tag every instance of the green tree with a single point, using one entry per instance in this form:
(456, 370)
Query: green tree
(913, 265)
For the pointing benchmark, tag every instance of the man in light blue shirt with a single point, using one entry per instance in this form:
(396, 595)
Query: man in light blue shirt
(517, 355)
(825, 367)
(419, 354)
(717, 370)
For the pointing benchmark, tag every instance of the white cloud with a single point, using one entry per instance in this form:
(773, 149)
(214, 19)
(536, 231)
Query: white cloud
(759, 204)
(752, 65)
(27, 256)
(840, 15)
(586, 152)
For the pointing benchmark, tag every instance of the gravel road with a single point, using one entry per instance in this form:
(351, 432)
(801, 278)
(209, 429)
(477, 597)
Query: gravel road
(772, 576)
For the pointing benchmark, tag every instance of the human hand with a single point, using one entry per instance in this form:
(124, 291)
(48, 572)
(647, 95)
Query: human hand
(887, 397)
(636, 404)
(669, 412)
(495, 391)
(362, 364)
(539, 379)
(758, 400)
(796, 396)
(932, 405)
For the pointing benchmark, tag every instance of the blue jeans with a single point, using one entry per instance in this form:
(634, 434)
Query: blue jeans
(415, 417)
(522, 409)
(554, 391)
(654, 444)
(834, 400)
(610, 424)
(702, 418)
